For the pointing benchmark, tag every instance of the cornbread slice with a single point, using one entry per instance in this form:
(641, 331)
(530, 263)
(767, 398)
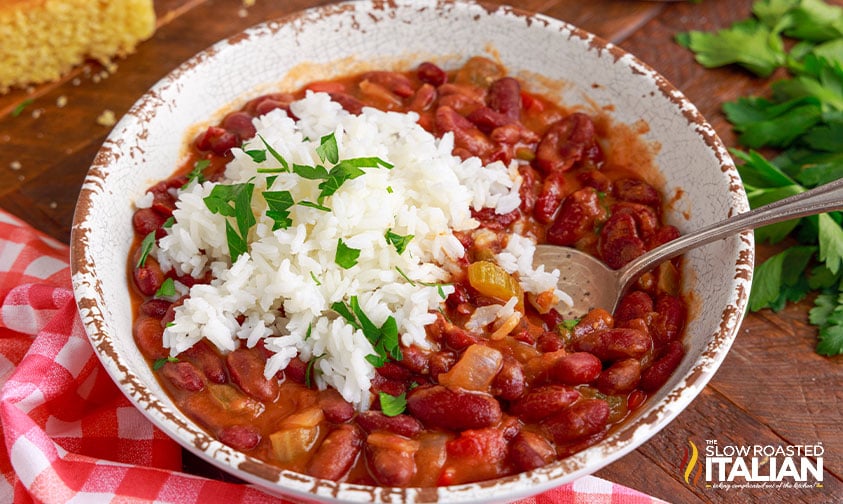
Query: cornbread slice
(41, 40)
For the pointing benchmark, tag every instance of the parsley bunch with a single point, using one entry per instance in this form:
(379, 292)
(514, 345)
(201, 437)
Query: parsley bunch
(801, 122)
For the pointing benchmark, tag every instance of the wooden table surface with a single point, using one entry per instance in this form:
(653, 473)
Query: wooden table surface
(772, 389)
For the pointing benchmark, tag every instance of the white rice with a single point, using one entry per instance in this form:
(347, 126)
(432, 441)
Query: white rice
(280, 292)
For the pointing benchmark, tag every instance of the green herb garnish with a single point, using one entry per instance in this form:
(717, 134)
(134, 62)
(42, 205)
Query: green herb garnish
(279, 203)
(159, 363)
(278, 157)
(315, 280)
(167, 289)
(570, 324)
(398, 241)
(309, 370)
(257, 155)
(346, 256)
(145, 248)
(197, 173)
(234, 201)
(392, 405)
(384, 339)
(328, 150)
(802, 119)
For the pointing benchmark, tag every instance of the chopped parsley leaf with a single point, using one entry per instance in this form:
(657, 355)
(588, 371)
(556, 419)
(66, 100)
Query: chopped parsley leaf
(167, 289)
(145, 248)
(346, 256)
(398, 241)
(393, 405)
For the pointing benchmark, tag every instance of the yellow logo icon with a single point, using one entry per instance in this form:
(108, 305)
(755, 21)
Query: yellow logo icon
(691, 463)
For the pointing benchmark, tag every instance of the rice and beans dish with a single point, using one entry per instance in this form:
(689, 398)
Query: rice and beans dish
(339, 280)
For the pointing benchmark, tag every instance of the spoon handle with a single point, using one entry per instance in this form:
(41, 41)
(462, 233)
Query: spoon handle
(824, 198)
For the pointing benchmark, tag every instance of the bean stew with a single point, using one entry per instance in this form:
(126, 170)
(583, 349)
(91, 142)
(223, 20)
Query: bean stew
(483, 403)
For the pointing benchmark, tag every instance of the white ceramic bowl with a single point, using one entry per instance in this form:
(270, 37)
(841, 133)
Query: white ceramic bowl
(560, 59)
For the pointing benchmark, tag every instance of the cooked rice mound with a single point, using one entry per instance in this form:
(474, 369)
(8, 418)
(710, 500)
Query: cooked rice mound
(281, 291)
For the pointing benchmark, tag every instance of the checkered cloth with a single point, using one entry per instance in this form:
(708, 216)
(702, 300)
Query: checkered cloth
(71, 436)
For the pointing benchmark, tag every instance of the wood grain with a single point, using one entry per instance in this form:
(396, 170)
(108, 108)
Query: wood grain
(772, 388)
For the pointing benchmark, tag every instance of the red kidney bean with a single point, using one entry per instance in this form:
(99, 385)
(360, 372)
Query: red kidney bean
(543, 401)
(466, 135)
(441, 362)
(240, 124)
(423, 99)
(487, 445)
(584, 418)
(403, 425)
(509, 383)
(529, 450)
(269, 102)
(147, 220)
(395, 82)
(530, 187)
(335, 408)
(208, 360)
(296, 370)
(596, 319)
(394, 371)
(183, 375)
(431, 74)
(513, 133)
(415, 359)
(549, 342)
(390, 465)
(217, 140)
(504, 96)
(615, 344)
(147, 332)
(576, 369)
(490, 219)
(241, 437)
(435, 406)
(246, 369)
(148, 277)
(576, 217)
(637, 191)
(646, 220)
(348, 102)
(635, 399)
(387, 386)
(487, 119)
(565, 143)
(620, 377)
(550, 197)
(595, 179)
(619, 241)
(336, 453)
(656, 375)
(662, 235)
(636, 304)
(669, 321)
(456, 337)
(155, 308)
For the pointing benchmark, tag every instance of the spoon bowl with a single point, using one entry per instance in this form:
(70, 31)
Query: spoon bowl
(592, 284)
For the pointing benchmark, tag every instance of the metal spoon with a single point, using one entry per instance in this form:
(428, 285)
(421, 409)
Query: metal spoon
(592, 284)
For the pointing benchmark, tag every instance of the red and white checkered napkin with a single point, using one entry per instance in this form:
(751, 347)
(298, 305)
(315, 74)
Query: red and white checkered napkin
(70, 435)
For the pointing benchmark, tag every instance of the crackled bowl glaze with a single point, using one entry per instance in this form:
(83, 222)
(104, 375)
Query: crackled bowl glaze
(577, 68)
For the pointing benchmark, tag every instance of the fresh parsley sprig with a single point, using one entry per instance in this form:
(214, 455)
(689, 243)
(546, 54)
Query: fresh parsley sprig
(235, 201)
(801, 119)
(384, 339)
